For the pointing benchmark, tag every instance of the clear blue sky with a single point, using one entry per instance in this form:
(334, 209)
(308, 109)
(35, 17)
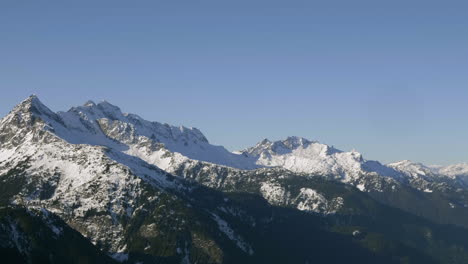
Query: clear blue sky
(388, 78)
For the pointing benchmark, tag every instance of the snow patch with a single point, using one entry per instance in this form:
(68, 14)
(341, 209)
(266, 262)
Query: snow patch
(274, 193)
(361, 187)
(227, 230)
(312, 201)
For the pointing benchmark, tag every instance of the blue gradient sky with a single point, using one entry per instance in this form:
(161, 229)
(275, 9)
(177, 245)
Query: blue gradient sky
(387, 78)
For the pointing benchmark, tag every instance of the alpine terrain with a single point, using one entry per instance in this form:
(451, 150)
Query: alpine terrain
(96, 185)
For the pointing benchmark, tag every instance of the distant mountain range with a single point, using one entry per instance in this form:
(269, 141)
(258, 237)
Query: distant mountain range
(99, 185)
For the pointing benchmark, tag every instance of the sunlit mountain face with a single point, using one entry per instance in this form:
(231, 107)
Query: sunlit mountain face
(95, 185)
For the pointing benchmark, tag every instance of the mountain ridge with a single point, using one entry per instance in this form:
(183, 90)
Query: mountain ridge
(106, 125)
(115, 178)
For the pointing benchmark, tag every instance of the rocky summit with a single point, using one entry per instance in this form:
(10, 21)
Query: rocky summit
(97, 185)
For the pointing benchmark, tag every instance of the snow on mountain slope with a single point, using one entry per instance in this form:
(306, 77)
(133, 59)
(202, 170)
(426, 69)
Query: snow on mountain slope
(427, 178)
(106, 174)
(104, 121)
(301, 155)
(455, 171)
(72, 180)
(460, 169)
(307, 199)
(31, 126)
(413, 169)
(73, 148)
(104, 124)
(175, 148)
(168, 147)
(97, 189)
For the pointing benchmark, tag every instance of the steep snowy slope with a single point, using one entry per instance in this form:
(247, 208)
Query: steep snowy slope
(63, 175)
(104, 121)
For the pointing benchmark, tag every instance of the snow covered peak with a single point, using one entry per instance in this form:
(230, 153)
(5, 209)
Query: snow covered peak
(32, 97)
(406, 163)
(27, 113)
(295, 142)
(107, 115)
(459, 171)
(89, 103)
(456, 175)
(33, 105)
(412, 169)
(104, 124)
(455, 169)
(108, 107)
(94, 111)
(164, 145)
(302, 155)
(288, 145)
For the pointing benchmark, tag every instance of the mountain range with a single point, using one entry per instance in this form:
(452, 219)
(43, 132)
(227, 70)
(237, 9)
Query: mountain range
(98, 185)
